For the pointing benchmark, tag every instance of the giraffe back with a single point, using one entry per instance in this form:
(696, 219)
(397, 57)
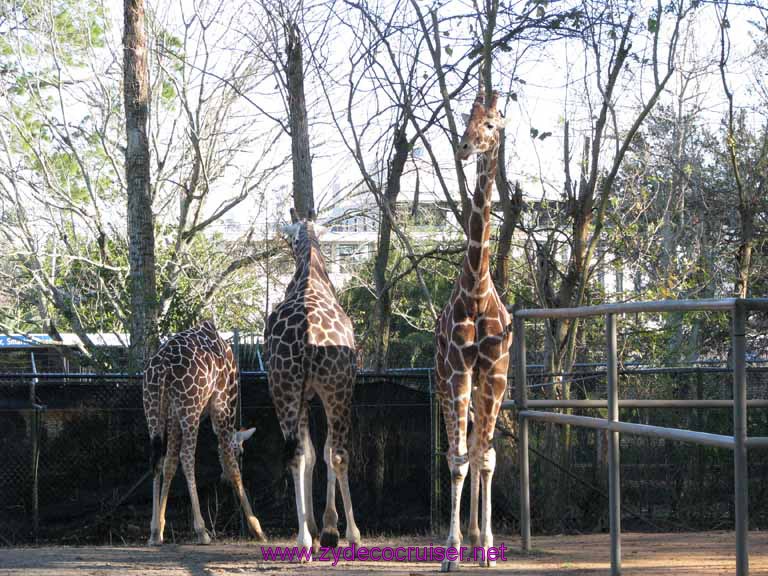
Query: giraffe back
(188, 369)
(308, 334)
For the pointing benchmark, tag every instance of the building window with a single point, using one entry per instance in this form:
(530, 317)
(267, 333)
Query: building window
(350, 252)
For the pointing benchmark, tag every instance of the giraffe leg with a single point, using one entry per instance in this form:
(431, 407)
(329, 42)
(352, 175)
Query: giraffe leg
(285, 399)
(329, 537)
(311, 458)
(487, 466)
(228, 459)
(337, 460)
(352, 533)
(298, 470)
(155, 539)
(170, 464)
(188, 445)
(474, 484)
(456, 412)
(483, 455)
(230, 446)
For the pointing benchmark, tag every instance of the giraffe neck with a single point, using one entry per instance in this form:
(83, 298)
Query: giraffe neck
(477, 258)
(310, 269)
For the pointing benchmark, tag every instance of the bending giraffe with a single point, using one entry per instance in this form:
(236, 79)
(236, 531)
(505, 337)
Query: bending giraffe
(472, 343)
(310, 349)
(192, 371)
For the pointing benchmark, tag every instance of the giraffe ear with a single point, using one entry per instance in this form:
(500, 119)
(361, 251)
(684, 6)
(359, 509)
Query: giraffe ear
(465, 117)
(243, 435)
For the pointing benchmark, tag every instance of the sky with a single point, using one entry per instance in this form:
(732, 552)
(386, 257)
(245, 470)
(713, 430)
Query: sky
(551, 89)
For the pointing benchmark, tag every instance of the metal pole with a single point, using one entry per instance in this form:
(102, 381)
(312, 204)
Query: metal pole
(740, 437)
(239, 416)
(35, 425)
(521, 393)
(614, 476)
(435, 516)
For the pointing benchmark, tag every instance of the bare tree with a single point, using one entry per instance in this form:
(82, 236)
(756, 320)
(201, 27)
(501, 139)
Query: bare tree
(141, 233)
(608, 41)
(63, 187)
(280, 41)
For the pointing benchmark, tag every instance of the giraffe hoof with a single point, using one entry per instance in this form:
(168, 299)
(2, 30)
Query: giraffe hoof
(449, 566)
(155, 540)
(256, 531)
(353, 537)
(329, 538)
(485, 563)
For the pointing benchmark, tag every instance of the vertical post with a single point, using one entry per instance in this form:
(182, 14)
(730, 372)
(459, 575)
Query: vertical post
(614, 471)
(521, 402)
(435, 518)
(239, 417)
(740, 436)
(35, 426)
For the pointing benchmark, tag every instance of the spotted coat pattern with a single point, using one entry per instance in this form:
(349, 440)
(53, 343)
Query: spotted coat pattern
(473, 340)
(192, 372)
(310, 350)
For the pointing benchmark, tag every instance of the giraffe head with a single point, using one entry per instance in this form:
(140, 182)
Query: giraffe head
(302, 233)
(238, 438)
(483, 126)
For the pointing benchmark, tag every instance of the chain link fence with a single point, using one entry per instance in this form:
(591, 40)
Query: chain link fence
(74, 460)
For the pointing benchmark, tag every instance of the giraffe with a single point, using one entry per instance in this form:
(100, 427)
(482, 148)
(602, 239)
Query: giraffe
(193, 371)
(472, 343)
(310, 349)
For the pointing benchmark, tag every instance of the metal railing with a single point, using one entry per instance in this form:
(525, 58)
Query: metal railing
(739, 442)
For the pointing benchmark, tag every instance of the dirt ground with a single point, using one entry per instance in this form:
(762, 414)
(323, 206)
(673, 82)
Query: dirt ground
(700, 554)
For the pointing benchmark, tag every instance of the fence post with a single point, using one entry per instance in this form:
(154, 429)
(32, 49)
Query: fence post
(740, 436)
(239, 417)
(614, 469)
(521, 401)
(434, 414)
(36, 426)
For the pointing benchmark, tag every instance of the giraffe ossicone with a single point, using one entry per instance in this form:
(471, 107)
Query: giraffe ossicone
(310, 351)
(472, 340)
(193, 370)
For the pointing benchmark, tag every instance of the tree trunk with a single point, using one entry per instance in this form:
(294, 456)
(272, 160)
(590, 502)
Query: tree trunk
(382, 313)
(303, 195)
(141, 234)
(744, 254)
(511, 208)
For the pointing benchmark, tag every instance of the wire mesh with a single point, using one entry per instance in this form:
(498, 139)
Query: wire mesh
(83, 438)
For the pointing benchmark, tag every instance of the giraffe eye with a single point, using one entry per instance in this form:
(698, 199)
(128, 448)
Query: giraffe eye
(489, 125)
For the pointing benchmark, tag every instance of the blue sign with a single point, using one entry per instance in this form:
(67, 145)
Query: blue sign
(21, 341)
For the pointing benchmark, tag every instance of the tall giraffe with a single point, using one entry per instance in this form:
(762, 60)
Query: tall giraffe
(472, 343)
(310, 350)
(192, 371)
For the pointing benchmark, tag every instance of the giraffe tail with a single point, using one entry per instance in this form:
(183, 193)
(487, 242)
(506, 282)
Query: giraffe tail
(158, 449)
(291, 446)
(289, 450)
(155, 392)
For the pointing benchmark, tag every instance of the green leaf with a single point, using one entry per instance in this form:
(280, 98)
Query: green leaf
(449, 50)
(544, 135)
(534, 132)
(653, 24)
